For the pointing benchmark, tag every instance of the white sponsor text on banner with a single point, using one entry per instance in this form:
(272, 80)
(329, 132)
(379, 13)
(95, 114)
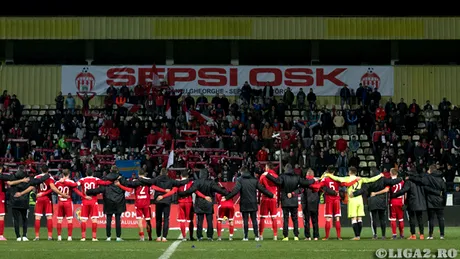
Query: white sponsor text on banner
(209, 80)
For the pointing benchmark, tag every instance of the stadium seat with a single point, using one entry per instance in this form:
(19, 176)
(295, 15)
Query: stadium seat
(295, 113)
(365, 144)
(363, 137)
(329, 107)
(435, 107)
(335, 137)
(436, 113)
(370, 158)
(346, 137)
(41, 112)
(35, 107)
(372, 164)
(296, 118)
(416, 137)
(39, 118)
(360, 151)
(355, 106)
(27, 107)
(44, 107)
(25, 113)
(52, 106)
(55, 137)
(368, 151)
(421, 125)
(362, 164)
(457, 179)
(362, 158)
(318, 137)
(405, 137)
(34, 112)
(287, 113)
(32, 118)
(52, 113)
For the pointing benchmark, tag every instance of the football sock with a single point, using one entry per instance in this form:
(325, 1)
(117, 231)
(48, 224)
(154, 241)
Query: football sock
(182, 229)
(141, 233)
(149, 229)
(59, 228)
(355, 227)
(37, 228)
(401, 228)
(274, 226)
(261, 226)
(219, 228)
(2, 227)
(83, 229)
(360, 227)
(49, 224)
(327, 228)
(69, 229)
(393, 227)
(94, 229)
(231, 229)
(338, 228)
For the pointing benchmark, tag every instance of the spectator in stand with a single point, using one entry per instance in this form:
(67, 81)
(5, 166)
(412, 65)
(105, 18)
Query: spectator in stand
(390, 107)
(301, 99)
(354, 144)
(354, 161)
(412, 118)
(444, 109)
(402, 107)
(246, 92)
(345, 95)
(352, 121)
(16, 107)
(375, 96)
(342, 164)
(262, 154)
(160, 104)
(112, 91)
(59, 102)
(339, 122)
(380, 114)
(341, 145)
(201, 102)
(70, 103)
(288, 98)
(430, 120)
(376, 138)
(267, 135)
(359, 94)
(311, 98)
(3, 98)
(85, 98)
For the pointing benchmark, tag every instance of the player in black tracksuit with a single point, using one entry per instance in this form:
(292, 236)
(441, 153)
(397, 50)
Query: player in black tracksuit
(247, 186)
(162, 207)
(436, 195)
(416, 204)
(289, 183)
(377, 204)
(202, 207)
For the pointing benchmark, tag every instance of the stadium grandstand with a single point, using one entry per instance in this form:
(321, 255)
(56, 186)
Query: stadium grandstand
(223, 92)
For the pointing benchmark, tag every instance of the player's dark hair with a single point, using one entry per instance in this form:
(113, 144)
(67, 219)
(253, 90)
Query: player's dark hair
(89, 172)
(433, 168)
(66, 172)
(141, 172)
(352, 170)
(270, 165)
(330, 169)
(44, 169)
(163, 171)
(184, 173)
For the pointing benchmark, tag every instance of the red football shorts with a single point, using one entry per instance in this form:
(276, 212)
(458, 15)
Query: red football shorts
(396, 212)
(268, 208)
(185, 212)
(2, 207)
(43, 208)
(65, 209)
(332, 209)
(228, 212)
(143, 212)
(89, 210)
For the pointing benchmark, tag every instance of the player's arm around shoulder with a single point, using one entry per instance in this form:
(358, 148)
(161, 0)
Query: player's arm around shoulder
(372, 179)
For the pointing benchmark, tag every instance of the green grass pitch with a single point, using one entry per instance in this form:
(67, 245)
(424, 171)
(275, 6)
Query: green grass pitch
(266, 249)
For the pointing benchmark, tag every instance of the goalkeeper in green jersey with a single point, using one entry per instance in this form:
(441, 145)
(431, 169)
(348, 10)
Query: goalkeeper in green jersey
(355, 204)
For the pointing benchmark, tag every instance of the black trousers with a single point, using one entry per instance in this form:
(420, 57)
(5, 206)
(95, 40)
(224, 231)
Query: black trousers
(415, 215)
(439, 213)
(307, 216)
(162, 211)
(295, 221)
(108, 226)
(381, 214)
(255, 226)
(17, 215)
(199, 225)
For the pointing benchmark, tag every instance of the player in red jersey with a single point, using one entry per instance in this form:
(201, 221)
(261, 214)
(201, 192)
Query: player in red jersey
(225, 211)
(3, 179)
(65, 205)
(142, 203)
(186, 212)
(90, 207)
(332, 204)
(396, 206)
(268, 205)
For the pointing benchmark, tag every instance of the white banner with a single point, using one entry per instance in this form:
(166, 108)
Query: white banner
(209, 80)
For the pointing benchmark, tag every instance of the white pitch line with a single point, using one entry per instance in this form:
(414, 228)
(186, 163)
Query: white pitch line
(171, 249)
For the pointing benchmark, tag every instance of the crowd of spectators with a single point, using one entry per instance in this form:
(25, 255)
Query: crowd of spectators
(225, 133)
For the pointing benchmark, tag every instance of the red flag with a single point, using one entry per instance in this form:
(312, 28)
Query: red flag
(132, 107)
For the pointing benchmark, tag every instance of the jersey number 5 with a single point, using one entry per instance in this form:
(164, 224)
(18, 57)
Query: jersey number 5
(332, 186)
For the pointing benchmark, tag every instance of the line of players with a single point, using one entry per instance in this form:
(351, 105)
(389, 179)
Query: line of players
(329, 184)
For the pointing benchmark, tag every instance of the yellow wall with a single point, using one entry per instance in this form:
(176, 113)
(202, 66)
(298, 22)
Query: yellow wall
(259, 28)
(40, 84)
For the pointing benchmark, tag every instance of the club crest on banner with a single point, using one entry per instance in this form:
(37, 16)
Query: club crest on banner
(370, 78)
(77, 214)
(85, 81)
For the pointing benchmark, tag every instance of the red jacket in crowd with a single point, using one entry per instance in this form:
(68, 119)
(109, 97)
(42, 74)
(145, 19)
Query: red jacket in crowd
(341, 145)
(262, 155)
(16, 132)
(160, 100)
(380, 114)
(114, 133)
